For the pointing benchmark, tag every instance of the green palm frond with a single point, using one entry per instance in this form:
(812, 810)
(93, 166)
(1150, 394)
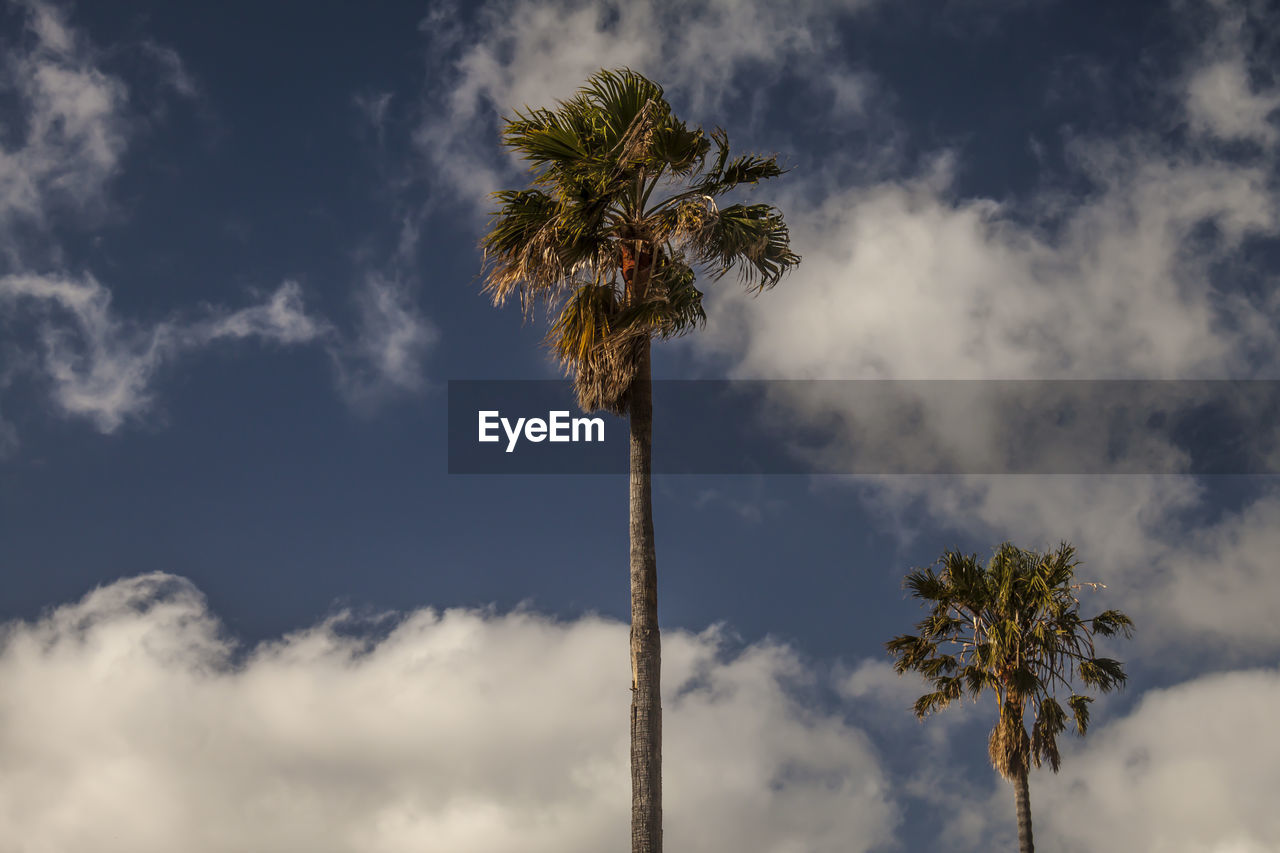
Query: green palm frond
(620, 98)
(1079, 706)
(1108, 623)
(750, 238)
(545, 138)
(680, 149)
(726, 174)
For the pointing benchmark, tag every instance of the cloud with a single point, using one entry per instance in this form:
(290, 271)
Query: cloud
(282, 319)
(373, 107)
(174, 70)
(387, 353)
(1223, 95)
(981, 293)
(103, 367)
(1189, 770)
(1136, 275)
(73, 134)
(132, 722)
(1219, 581)
(1125, 262)
(533, 52)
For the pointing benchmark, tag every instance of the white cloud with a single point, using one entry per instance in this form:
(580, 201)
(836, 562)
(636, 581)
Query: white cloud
(533, 52)
(131, 723)
(876, 681)
(1221, 101)
(905, 277)
(1221, 98)
(908, 279)
(282, 318)
(1190, 768)
(390, 345)
(1221, 580)
(1193, 768)
(103, 367)
(1206, 585)
(74, 130)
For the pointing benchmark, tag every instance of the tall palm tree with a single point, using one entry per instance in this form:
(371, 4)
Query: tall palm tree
(1014, 628)
(620, 218)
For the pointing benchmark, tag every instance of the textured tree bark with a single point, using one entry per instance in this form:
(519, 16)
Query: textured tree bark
(646, 699)
(1022, 796)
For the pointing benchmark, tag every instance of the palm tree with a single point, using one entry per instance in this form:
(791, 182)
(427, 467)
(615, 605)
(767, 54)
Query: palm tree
(1013, 628)
(619, 219)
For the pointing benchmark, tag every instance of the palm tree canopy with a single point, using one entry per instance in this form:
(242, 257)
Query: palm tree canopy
(1012, 627)
(620, 217)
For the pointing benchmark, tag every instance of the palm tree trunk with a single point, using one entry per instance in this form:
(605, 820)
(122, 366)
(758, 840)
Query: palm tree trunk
(1022, 797)
(646, 699)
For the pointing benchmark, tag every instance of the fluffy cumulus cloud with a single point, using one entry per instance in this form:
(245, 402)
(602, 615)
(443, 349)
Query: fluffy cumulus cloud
(1190, 770)
(130, 722)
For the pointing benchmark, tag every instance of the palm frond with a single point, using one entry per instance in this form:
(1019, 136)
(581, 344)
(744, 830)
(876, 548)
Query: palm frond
(1079, 706)
(750, 238)
(1050, 721)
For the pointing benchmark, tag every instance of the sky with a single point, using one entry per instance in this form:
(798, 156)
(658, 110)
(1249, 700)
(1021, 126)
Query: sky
(247, 607)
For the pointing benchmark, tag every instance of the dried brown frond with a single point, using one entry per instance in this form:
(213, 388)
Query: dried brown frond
(1009, 746)
(603, 379)
(634, 144)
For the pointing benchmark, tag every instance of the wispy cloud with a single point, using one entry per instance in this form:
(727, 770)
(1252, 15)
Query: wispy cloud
(1230, 92)
(173, 70)
(387, 353)
(103, 367)
(533, 52)
(75, 131)
(76, 123)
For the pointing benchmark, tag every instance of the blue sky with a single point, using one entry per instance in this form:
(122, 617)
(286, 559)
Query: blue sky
(247, 606)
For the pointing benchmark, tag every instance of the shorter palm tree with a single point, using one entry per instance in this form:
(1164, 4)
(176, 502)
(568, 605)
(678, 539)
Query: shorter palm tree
(1014, 628)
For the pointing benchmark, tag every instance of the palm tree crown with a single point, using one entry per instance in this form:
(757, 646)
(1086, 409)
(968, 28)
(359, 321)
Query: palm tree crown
(1013, 628)
(620, 216)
